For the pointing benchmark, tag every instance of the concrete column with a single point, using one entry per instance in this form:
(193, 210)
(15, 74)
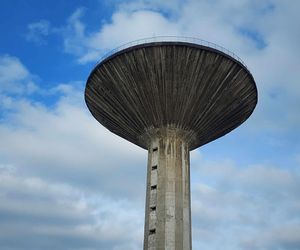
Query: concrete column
(168, 205)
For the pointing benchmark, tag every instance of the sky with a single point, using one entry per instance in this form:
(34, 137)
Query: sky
(67, 183)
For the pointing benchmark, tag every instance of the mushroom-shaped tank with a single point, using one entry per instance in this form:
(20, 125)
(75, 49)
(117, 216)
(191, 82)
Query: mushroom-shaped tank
(177, 85)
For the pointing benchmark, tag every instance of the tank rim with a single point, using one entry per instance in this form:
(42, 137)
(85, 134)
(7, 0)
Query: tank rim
(138, 44)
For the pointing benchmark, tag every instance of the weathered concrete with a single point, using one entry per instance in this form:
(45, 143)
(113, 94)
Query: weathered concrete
(168, 205)
(170, 98)
(188, 86)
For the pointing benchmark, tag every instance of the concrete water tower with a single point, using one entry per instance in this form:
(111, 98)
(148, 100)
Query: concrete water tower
(170, 95)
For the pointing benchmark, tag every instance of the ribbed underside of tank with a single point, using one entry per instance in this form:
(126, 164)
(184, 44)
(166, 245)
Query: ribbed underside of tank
(141, 90)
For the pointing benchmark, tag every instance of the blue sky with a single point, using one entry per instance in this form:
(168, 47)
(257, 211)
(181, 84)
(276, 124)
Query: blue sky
(68, 183)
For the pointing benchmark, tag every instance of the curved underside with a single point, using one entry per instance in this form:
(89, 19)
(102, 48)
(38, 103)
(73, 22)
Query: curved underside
(174, 85)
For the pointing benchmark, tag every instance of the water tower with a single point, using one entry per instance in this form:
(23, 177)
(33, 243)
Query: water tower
(169, 96)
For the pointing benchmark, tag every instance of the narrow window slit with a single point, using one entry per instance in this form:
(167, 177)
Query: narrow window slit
(155, 149)
(152, 231)
(153, 208)
(154, 167)
(153, 187)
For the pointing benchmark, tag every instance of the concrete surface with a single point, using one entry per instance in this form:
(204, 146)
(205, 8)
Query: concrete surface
(170, 98)
(168, 205)
(188, 86)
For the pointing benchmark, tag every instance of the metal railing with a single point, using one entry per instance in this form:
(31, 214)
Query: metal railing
(172, 39)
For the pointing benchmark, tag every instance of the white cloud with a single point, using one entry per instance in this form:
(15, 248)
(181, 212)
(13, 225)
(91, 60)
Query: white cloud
(89, 47)
(64, 142)
(38, 31)
(15, 77)
(250, 207)
(47, 215)
(158, 18)
(74, 40)
(56, 164)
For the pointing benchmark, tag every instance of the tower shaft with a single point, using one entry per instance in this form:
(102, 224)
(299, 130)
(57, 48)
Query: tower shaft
(168, 204)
